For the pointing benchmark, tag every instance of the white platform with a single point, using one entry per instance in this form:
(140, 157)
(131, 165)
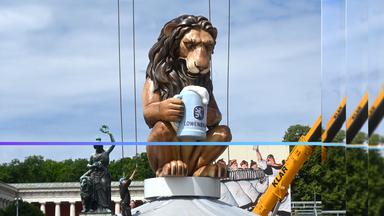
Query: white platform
(181, 187)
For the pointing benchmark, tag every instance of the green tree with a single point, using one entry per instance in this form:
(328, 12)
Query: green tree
(306, 182)
(36, 169)
(327, 179)
(339, 138)
(357, 181)
(374, 139)
(333, 179)
(360, 138)
(294, 133)
(25, 209)
(376, 182)
(343, 177)
(126, 166)
(357, 177)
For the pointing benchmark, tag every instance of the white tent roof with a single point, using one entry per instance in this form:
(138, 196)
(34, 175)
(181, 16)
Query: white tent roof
(188, 207)
(184, 196)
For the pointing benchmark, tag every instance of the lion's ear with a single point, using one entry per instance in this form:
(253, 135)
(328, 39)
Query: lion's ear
(169, 27)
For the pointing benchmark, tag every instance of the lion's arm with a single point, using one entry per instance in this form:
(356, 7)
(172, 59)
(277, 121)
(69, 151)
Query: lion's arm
(151, 104)
(214, 115)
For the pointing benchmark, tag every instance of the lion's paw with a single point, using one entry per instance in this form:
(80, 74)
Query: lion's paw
(173, 168)
(212, 170)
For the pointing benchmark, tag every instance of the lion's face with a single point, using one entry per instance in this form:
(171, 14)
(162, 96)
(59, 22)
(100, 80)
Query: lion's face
(182, 55)
(196, 48)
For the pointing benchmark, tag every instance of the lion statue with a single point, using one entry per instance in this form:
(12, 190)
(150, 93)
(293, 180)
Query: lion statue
(86, 189)
(182, 57)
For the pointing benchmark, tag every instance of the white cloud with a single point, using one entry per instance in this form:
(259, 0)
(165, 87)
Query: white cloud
(60, 82)
(21, 19)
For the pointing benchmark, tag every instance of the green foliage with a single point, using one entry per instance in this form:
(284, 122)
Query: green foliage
(127, 165)
(36, 169)
(25, 209)
(316, 178)
(360, 138)
(325, 180)
(375, 182)
(307, 182)
(375, 139)
(339, 138)
(342, 180)
(357, 181)
(333, 179)
(294, 133)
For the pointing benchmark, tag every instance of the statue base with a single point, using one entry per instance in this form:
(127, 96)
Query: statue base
(181, 187)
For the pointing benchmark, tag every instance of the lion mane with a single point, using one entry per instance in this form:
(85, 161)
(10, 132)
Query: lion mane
(167, 71)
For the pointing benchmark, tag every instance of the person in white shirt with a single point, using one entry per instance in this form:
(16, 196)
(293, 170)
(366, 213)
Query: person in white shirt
(272, 169)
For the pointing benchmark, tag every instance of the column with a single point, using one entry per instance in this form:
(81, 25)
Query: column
(72, 210)
(117, 207)
(42, 207)
(57, 209)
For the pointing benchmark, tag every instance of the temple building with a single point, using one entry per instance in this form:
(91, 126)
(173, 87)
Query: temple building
(8, 193)
(60, 199)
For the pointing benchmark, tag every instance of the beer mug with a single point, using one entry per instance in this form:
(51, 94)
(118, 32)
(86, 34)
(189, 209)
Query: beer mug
(194, 123)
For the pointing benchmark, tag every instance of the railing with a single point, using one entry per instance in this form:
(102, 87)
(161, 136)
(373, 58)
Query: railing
(335, 212)
(302, 208)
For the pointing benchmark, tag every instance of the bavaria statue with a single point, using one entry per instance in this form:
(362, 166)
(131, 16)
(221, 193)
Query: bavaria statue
(95, 184)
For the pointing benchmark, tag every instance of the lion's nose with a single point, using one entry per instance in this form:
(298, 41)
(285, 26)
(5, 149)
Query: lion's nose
(200, 67)
(202, 62)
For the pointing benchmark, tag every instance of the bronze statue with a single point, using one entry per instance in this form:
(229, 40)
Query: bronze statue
(125, 195)
(96, 182)
(182, 57)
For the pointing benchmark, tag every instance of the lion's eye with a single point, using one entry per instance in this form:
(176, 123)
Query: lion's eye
(209, 48)
(190, 45)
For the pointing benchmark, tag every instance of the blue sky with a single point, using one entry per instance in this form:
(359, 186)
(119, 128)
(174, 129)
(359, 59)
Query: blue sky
(59, 68)
(364, 48)
(352, 48)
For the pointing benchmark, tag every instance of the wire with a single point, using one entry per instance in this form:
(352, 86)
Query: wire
(134, 71)
(210, 19)
(228, 58)
(120, 83)
(209, 10)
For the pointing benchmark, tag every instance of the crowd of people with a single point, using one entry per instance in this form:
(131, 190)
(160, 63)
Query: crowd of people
(263, 171)
(266, 164)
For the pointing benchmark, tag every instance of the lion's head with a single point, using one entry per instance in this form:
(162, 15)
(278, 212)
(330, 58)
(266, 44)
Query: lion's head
(86, 185)
(182, 55)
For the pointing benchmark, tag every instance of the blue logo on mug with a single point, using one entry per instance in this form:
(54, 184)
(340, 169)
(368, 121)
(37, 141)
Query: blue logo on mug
(198, 112)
